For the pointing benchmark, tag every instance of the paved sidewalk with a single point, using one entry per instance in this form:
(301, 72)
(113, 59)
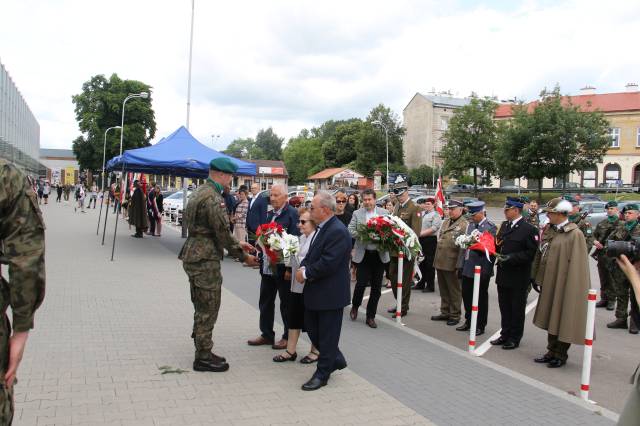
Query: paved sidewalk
(106, 328)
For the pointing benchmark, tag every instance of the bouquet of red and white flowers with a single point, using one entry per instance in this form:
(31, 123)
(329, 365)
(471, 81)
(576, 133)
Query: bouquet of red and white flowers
(480, 241)
(276, 243)
(390, 233)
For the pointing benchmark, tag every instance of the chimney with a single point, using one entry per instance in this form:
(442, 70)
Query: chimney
(631, 87)
(588, 90)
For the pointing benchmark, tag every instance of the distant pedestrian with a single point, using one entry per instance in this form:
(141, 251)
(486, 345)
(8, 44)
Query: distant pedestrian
(138, 216)
(40, 190)
(159, 204)
(59, 191)
(80, 195)
(240, 216)
(46, 190)
(93, 196)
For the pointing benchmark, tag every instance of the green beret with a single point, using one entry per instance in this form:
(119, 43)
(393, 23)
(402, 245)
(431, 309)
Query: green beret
(611, 204)
(630, 206)
(524, 199)
(223, 164)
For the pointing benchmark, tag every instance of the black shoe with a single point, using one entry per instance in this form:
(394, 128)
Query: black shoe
(464, 327)
(282, 358)
(544, 359)
(509, 344)
(479, 331)
(371, 323)
(555, 363)
(210, 365)
(440, 317)
(419, 287)
(314, 384)
(618, 323)
(340, 366)
(633, 328)
(453, 321)
(602, 304)
(499, 341)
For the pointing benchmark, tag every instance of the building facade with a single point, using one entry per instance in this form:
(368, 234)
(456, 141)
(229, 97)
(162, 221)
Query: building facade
(621, 163)
(19, 129)
(61, 165)
(268, 173)
(336, 177)
(426, 118)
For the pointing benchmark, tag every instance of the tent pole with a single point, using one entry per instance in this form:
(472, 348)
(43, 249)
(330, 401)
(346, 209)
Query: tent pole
(123, 178)
(106, 214)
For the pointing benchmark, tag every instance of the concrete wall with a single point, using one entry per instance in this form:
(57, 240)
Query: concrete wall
(417, 141)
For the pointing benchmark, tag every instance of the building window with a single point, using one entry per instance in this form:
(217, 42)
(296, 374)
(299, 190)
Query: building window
(612, 174)
(615, 137)
(638, 137)
(444, 123)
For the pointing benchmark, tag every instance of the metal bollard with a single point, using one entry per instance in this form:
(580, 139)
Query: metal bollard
(588, 345)
(474, 309)
(399, 289)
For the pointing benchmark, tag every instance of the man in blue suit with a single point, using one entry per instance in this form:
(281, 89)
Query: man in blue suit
(276, 279)
(325, 271)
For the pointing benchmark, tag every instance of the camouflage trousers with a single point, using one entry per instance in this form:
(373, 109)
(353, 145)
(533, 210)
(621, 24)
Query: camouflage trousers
(622, 288)
(205, 281)
(607, 290)
(6, 394)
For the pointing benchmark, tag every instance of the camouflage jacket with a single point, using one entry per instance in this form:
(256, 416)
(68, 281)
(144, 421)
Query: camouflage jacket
(208, 224)
(603, 232)
(586, 229)
(21, 247)
(533, 218)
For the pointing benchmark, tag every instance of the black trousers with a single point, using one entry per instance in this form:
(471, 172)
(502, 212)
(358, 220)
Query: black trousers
(512, 302)
(324, 329)
(483, 299)
(152, 222)
(369, 273)
(270, 286)
(427, 270)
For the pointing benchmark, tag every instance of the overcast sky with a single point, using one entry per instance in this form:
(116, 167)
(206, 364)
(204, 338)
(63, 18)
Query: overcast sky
(294, 64)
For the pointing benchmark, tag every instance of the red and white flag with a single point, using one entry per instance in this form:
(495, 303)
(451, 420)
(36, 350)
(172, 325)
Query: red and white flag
(440, 199)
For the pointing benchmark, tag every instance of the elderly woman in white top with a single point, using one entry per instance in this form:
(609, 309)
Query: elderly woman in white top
(296, 302)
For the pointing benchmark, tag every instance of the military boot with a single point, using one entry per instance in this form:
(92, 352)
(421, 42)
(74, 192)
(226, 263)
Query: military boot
(602, 304)
(633, 327)
(210, 365)
(618, 323)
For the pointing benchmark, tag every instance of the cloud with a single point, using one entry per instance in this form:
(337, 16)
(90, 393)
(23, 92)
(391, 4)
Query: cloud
(294, 64)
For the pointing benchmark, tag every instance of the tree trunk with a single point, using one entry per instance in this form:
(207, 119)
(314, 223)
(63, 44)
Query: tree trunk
(564, 185)
(540, 191)
(475, 181)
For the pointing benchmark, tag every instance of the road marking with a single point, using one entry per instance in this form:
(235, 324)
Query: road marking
(483, 348)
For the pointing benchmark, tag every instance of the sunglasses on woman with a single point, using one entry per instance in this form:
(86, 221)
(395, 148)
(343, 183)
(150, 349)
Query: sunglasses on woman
(302, 221)
(341, 201)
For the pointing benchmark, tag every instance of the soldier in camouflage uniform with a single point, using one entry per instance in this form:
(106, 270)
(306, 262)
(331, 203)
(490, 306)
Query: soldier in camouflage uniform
(22, 249)
(532, 215)
(208, 223)
(624, 232)
(605, 264)
(581, 220)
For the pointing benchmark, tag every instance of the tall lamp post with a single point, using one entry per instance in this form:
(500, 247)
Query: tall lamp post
(143, 95)
(104, 157)
(386, 137)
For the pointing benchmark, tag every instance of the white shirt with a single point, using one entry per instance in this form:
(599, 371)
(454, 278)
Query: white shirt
(514, 221)
(562, 225)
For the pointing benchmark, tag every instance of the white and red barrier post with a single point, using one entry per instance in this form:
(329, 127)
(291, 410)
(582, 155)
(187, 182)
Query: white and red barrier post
(588, 345)
(474, 308)
(399, 288)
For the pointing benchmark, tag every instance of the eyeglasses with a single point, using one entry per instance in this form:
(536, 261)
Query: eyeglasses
(341, 201)
(302, 221)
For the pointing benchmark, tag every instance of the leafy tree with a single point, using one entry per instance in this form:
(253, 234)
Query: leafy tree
(471, 140)
(98, 107)
(394, 127)
(553, 140)
(245, 149)
(303, 157)
(269, 144)
(421, 175)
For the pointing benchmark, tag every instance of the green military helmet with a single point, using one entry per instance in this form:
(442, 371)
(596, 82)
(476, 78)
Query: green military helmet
(223, 164)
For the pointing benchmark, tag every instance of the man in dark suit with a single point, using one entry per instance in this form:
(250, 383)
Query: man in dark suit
(257, 213)
(516, 242)
(276, 279)
(326, 291)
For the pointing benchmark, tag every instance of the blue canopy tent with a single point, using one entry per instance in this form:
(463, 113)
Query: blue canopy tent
(179, 154)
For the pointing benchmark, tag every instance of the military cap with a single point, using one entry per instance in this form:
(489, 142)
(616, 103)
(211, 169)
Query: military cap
(475, 207)
(572, 200)
(430, 200)
(610, 204)
(399, 189)
(454, 203)
(512, 202)
(558, 205)
(223, 164)
(630, 206)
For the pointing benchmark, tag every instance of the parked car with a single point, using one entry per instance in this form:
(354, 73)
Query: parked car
(567, 185)
(590, 197)
(596, 212)
(173, 204)
(513, 188)
(460, 187)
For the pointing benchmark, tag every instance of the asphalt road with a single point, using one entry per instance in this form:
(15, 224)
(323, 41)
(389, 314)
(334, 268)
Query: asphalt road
(615, 352)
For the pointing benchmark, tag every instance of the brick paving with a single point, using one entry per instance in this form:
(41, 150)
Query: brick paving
(106, 328)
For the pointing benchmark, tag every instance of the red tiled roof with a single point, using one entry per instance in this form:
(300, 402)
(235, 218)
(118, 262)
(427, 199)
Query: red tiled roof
(606, 102)
(326, 173)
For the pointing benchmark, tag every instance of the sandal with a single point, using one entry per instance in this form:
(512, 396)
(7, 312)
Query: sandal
(308, 360)
(281, 358)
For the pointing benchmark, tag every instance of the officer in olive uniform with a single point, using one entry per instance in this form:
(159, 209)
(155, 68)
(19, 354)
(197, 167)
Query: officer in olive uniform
(600, 236)
(445, 262)
(411, 214)
(581, 220)
(624, 232)
(22, 249)
(208, 224)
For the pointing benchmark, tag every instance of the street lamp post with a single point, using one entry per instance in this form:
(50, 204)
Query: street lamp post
(143, 95)
(104, 157)
(386, 137)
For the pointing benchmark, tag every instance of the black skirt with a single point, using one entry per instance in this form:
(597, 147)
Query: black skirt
(296, 311)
